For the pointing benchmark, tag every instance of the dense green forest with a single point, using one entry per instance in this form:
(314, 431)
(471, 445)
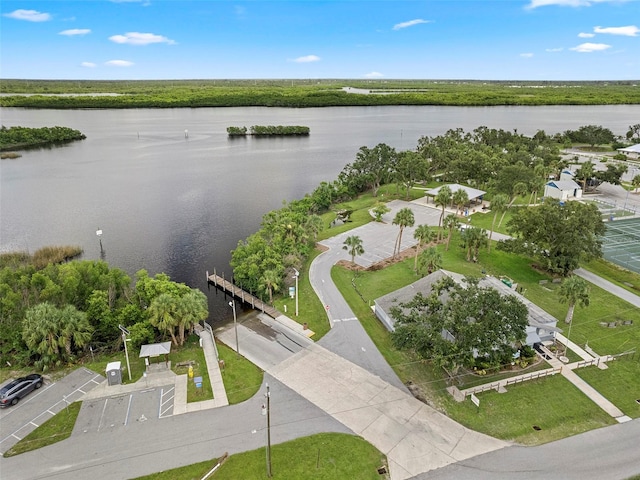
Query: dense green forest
(50, 314)
(310, 93)
(20, 138)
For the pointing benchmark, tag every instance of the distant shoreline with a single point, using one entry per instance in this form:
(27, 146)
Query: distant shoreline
(307, 93)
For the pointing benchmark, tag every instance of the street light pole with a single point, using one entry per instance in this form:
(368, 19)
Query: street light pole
(232, 304)
(126, 332)
(266, 410)
(296, 277)
(126, 352)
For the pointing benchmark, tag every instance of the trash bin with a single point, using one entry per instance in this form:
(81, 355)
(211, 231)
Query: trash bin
(114, 373)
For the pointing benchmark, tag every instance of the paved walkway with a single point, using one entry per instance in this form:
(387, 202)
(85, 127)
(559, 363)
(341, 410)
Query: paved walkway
(609, 287)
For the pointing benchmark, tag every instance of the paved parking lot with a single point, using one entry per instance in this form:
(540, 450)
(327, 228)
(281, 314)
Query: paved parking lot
(32, 411)
(121, 410)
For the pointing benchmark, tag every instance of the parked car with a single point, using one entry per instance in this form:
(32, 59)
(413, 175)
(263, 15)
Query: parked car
(13, 391)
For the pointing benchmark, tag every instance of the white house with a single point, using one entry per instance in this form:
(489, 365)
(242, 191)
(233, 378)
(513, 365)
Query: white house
(563, 190)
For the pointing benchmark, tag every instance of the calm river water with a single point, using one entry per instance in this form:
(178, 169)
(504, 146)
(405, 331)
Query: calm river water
(179, 205)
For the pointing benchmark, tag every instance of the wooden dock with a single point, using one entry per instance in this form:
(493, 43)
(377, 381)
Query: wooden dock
(240, 294)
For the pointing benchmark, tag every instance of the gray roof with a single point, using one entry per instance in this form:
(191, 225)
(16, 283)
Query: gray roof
(537, 316)
(471, 192)
(155, 349)
(563, 185)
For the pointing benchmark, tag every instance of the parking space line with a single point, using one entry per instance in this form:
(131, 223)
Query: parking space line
(126, 418)
(160, 406)
(15, 436)
(170, 408)
(34, 424)
(102, 414)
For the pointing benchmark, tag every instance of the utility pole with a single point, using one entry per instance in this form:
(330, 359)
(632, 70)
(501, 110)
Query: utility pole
(266, 410)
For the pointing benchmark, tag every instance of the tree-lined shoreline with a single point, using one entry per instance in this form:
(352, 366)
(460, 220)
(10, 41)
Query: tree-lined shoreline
(304, 93)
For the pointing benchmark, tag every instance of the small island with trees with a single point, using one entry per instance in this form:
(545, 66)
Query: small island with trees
(22, 138)
(268, 130)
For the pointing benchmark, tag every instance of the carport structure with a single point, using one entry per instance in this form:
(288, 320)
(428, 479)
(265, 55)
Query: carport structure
(153, 350)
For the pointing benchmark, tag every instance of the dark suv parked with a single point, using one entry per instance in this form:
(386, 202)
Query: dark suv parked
(13, 391)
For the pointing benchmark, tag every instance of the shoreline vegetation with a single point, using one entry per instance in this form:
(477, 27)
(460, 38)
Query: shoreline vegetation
(268, 130)
(23, 138)
(304, 93)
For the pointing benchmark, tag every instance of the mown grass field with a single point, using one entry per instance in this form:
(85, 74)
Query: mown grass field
(323, 456)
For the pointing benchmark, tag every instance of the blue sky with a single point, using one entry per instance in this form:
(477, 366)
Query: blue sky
(204, 39)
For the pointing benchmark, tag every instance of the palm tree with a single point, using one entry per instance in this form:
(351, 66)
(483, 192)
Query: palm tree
(163, 314)
(574, 291)
(442, 199)
(192, 308)
(270, 281)
(472, 239)
(75, 328)
(41, 333)
(430, 260)
(449, 223)
(460, 198)
(584, 173)
(498, 204)
(519, 188)
(423, 235)
(404, 218)
(353, 245)
(635, 182)
(313, 225)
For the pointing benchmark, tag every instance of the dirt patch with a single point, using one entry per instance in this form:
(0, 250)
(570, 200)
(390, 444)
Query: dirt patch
(407, 253)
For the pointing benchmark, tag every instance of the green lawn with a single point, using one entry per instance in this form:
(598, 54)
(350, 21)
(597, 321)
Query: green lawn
(551, 403)
(192, 352)
(310, 308)
(322, 456)
(242, 379)
(56, 429)
(618, 383)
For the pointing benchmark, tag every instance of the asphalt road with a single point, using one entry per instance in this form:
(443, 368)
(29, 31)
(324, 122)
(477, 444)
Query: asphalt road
(141, 448)
(610, 453)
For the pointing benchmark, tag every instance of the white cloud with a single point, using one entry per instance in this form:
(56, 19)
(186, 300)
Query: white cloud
(567, 3)
(75, 31)
(526, 55)
(137, 38)
(29, 15)
(373, 75)
(118, 63)
(628, 31)
(88, 64)
(410, 23)
(590, 47)
(586, 35)
(307, 59)
(553, 50)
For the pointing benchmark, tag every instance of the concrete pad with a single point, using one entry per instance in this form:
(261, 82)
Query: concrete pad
(414, 436)
(385, 433)
(415, 456)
